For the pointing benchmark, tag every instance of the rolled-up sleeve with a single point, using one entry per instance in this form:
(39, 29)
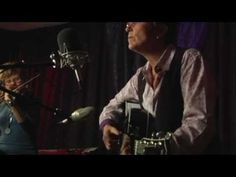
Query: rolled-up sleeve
(197, 126)
(112, 112)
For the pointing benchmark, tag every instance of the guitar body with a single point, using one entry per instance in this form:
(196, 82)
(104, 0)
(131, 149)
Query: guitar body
(139, 126)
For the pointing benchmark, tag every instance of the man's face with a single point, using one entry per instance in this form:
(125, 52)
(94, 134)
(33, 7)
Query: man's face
(13, 82)
(140, 34)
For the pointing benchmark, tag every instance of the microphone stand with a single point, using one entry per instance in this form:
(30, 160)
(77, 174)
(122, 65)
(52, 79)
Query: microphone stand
(77, 75)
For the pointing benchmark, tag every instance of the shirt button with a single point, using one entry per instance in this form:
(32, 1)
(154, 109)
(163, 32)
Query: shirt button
(158, 69)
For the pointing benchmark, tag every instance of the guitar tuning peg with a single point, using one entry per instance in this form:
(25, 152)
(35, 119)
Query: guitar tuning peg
(160, 135)
(153, 135)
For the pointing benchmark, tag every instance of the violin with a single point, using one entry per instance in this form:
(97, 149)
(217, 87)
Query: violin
(19, 94)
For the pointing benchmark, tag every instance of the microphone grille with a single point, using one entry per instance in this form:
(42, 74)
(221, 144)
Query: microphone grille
(68, 40)
(82, 113)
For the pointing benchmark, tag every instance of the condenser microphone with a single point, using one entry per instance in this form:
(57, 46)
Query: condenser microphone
(71, 53)
(78, 115)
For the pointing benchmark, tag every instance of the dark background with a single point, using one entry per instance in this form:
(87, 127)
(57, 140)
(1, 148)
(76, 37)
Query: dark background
(111, 65)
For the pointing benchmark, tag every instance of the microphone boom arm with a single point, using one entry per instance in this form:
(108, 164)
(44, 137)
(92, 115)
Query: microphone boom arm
(55, 111)
(24, 65)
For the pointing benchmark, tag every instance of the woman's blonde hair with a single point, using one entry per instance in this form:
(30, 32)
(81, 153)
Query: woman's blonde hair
(6, 73)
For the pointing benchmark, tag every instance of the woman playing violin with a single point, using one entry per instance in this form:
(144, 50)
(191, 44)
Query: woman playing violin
(17, 129)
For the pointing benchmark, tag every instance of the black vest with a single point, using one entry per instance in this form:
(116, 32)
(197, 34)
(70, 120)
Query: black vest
(170, 106)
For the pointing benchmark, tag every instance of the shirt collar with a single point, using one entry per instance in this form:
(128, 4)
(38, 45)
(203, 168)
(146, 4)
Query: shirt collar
(165, 60)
